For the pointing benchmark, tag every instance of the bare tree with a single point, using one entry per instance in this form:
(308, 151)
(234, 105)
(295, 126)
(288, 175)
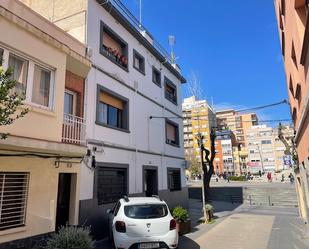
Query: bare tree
(194, 86)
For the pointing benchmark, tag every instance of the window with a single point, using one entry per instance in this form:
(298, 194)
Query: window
(36, 82)
(13, 196)
(283, 43)
(266, 141)
(291, 86)
(41, 86)
(1, 56)
(20, 72)
(112, 109)
(283, 7)
(170, 91)
(138, 62)
(113, 47)
(112, 184)
(172, 133)
(293, 55)
(156, 76)
(174, 179)
(298, 92)
(69, 102)
(147, 211)
(294, 114)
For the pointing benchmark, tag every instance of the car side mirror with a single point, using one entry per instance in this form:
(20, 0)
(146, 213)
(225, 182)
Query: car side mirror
(109, 211)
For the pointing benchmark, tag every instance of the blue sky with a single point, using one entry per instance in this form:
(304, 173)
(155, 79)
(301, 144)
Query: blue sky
(232, 45)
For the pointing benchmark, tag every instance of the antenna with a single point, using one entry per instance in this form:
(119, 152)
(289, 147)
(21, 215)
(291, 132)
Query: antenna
(171, 42)
(140, 14)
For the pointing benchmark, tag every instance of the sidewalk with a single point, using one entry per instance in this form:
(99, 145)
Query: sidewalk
(248, 227)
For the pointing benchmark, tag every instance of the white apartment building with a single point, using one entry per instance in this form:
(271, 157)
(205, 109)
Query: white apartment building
(261, 147)
(132, 109)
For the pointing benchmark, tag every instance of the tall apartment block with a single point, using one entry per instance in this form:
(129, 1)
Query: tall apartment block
(293, 26)
(239, 124)
(131, 109)
(198, 117)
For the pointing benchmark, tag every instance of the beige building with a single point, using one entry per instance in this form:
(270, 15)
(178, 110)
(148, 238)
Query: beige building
(41, 158)
(292, 19)
(198, 117)
(284, 160)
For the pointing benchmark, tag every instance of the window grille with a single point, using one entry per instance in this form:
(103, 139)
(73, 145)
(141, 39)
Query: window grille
(13, 199)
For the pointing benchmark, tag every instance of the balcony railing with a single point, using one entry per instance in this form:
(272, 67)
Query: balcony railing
(73, 130)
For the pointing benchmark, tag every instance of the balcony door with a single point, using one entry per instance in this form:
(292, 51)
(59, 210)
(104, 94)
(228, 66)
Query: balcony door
(69, 103)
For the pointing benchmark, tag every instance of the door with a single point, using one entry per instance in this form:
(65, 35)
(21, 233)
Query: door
(150, 182)
(63, 200)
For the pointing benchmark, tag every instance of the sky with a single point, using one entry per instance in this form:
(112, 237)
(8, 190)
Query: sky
(233, 47)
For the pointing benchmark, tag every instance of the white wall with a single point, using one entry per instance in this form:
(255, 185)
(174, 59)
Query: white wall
(145, 134)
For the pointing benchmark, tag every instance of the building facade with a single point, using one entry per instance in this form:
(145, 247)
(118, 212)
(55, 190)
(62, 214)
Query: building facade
(238, 123)
(225, 140)
(40, 160)
(292, 19)
(261, 147)
(133, 109)
(198, 117)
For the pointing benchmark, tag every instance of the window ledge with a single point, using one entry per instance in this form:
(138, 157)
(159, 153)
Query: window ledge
(158, 84)
(38, 109)
(111, 127)
(174, 145)
(172, 101)
(142, 72)
(13, 230)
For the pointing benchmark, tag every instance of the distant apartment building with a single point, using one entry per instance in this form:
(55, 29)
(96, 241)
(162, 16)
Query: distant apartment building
(133, 109)
(293, 25)
(40, 161)
(261, 148)
(284, 158)
(224, 160)
(239, 124)
(198, 117)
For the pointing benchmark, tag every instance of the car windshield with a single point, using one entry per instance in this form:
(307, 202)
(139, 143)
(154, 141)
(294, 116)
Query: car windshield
(146, 211)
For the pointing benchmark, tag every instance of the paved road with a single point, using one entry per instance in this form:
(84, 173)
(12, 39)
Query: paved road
(248, 227)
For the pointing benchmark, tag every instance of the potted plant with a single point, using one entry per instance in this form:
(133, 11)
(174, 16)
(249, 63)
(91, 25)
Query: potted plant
(209, 212)
(181, 216)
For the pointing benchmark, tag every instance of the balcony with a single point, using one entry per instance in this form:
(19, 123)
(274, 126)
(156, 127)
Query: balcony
(73, 130)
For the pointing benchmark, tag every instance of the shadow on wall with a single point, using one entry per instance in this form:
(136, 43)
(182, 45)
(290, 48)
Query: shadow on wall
(224, 194)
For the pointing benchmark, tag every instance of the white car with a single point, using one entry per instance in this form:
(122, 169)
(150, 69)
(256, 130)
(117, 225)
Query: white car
(142, 223)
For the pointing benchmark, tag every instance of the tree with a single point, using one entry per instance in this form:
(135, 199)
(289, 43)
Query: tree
(207, 158)
(194, 165)
(10, 100)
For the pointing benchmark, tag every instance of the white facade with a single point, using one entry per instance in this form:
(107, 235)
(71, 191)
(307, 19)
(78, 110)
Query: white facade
(143, 144)
(261, 148)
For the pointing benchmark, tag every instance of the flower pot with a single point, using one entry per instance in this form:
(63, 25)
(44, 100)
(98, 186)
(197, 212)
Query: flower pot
(184, 227)
(209, 215)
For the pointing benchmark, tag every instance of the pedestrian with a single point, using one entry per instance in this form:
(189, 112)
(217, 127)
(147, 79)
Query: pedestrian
(291, 178)
(269, 177)
(282, 178)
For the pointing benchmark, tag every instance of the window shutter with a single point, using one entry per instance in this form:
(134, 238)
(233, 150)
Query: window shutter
(110, 100)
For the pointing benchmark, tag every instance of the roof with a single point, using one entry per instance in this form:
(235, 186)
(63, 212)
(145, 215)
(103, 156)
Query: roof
(143, 200)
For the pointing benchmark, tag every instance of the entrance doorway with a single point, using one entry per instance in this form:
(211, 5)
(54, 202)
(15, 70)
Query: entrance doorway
(63, 200)
(150, 181)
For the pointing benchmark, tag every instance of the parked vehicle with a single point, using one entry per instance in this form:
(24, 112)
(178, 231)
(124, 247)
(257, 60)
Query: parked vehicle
(142, 223)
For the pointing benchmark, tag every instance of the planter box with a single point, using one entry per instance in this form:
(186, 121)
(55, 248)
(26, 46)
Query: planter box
(184, 227)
